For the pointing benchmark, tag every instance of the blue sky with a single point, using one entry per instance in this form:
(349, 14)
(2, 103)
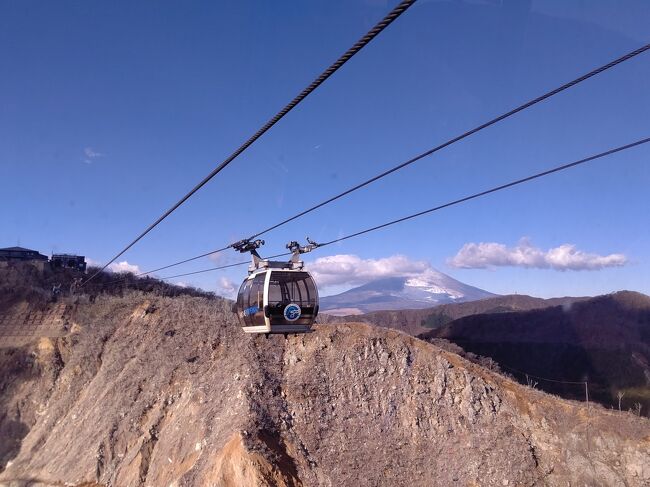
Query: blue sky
(110, 111)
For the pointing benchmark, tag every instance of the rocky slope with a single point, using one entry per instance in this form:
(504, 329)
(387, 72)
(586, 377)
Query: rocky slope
(148, 390)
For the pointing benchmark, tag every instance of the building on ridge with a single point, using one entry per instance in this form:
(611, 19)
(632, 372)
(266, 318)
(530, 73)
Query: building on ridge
(68, 261)
(21, 254)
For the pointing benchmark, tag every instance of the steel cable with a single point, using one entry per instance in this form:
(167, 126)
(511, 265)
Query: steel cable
(360, 44)
(449, 142)
(462, 200)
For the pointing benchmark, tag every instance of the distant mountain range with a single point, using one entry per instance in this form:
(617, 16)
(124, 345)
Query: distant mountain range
(417, 321)
(430, 289)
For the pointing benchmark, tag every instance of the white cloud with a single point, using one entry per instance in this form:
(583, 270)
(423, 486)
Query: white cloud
(124, 266)
(226, 288)
(91, 154)
(352, 270)
(181, 284)
(485, 255)
(93, 263)
(116, 267)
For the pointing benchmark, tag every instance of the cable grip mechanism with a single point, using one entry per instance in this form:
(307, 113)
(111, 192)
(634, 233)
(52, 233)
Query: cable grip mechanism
(296, 249)
(247, 245)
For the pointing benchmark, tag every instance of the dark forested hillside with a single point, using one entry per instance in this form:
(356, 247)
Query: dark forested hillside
(604, 341)
(417, 321)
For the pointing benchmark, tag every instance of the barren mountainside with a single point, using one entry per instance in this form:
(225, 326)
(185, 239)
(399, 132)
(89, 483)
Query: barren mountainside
(167, 391)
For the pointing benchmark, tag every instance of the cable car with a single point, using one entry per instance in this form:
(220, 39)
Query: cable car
(277, 297)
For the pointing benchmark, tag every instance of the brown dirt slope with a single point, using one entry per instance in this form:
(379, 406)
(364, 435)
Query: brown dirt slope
(161, 391)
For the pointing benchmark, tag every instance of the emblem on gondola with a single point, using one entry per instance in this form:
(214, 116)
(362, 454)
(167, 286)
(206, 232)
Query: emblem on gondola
(251, 311)
(292, 312)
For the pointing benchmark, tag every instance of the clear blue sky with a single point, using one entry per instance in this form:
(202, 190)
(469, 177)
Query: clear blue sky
(110, 111)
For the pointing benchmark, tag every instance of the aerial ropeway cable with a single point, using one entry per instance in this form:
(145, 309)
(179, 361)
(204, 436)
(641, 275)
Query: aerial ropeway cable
(429, 152)
(226, 266)
(345, 57)
(493, 190)
(458, 201)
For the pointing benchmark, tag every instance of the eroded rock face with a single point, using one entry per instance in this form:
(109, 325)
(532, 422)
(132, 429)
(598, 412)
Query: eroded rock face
(170, 392)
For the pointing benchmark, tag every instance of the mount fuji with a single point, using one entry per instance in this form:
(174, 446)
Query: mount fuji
(426, 290)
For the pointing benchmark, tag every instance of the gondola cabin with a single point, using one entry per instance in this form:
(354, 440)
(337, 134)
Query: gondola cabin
(277, 297)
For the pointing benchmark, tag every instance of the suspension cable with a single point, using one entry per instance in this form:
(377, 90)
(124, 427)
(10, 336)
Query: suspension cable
(493, 190)
(462, 136)
(223, 267)
(449, 142)
(464, 199)
(360, 44)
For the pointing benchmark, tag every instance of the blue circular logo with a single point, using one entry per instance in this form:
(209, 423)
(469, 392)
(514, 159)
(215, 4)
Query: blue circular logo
(292, 312)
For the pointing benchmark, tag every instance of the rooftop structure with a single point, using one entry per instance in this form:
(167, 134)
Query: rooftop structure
(67, 261)
(21, 253)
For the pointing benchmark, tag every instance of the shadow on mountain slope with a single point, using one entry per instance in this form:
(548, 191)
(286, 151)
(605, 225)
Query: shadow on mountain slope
(604, 341)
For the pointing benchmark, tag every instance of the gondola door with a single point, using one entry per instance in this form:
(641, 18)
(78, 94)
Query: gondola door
(251, 302)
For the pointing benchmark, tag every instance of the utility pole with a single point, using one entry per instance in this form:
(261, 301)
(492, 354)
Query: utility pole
(620, 395)
(588, 418)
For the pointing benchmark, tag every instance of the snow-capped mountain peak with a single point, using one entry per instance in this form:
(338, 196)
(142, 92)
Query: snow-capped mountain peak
(425, 290)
